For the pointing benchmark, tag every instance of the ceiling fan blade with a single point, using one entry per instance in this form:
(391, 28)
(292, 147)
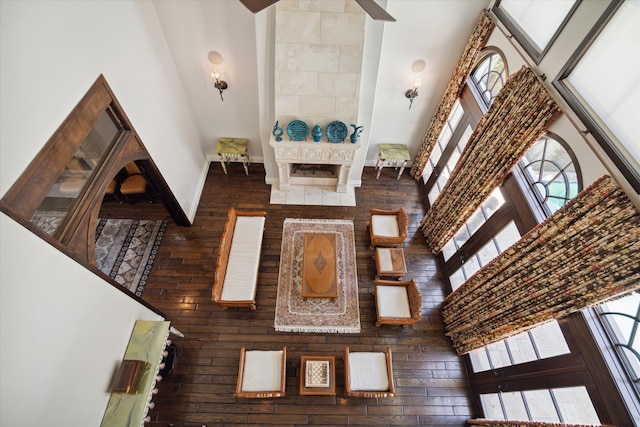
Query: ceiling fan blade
(375, 11)
(256, 6)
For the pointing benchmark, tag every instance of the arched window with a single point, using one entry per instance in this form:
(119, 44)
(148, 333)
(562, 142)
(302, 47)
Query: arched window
(483, 85)
(487, 79)
(512, 378)
(552, 172)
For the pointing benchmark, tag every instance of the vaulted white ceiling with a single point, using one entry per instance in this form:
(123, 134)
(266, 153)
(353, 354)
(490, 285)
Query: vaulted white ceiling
(433, 31)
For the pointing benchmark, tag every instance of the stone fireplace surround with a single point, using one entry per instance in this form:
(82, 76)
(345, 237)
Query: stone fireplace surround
(338, 155)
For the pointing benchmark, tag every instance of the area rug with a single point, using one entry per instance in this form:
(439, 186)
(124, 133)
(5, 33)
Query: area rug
(48, 221)
(322, 315)
(127, 248)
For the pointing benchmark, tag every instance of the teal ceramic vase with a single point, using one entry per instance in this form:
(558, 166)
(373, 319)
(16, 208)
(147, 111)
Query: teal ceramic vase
(277, 132)
(357, 130)
(316, 133)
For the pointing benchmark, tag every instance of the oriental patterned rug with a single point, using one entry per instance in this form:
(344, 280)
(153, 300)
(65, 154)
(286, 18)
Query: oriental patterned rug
(321, 315)
(127, 248)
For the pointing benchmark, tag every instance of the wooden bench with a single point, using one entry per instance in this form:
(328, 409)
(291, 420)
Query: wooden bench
(236, 277)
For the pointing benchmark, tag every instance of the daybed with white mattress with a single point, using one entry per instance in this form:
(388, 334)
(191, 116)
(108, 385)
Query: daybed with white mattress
(236, 277)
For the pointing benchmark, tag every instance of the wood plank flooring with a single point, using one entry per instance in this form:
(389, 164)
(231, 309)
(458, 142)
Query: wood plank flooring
(430, 378)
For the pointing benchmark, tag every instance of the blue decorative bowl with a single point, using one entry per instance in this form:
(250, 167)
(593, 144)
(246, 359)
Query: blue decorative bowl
(337, 131)
(297, 130)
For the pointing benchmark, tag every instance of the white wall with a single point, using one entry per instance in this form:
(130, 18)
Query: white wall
(51, 53)
(195, 28)
(62, 328)
(63, 331)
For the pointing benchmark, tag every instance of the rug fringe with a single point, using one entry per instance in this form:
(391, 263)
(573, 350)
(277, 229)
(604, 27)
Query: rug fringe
(321, 221)
(320, 330)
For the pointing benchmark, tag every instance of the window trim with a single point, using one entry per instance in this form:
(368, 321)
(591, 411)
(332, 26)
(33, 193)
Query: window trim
(526, 180)
(522, 38)
(603, 137)
(482, 103)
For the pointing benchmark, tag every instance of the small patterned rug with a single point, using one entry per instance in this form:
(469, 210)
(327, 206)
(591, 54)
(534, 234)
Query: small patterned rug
(322, 315)
(127, 248)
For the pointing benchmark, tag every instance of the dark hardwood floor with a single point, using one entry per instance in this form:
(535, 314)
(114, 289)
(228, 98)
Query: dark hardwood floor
(431, 382)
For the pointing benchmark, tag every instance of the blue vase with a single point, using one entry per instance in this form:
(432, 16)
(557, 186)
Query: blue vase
(277, 132)
(357, 130)
(316, 133)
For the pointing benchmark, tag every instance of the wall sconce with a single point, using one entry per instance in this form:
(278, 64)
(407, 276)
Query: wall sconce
(412, 93)
(216, 59)
(221, 85)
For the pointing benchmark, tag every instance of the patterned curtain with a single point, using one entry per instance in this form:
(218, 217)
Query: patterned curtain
(493, 423)
(585, 253)
(521, 112)
(468, 59)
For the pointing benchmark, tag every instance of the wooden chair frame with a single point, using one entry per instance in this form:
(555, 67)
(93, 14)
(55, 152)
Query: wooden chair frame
(388, 241)
(261, 394)
(364, 393)
(415, 303)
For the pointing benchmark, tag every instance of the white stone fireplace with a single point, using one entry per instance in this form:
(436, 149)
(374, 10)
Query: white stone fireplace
(317, 63)
(294, 156)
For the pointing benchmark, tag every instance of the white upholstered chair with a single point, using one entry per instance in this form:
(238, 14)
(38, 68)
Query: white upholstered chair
(397, 303)
(388, 227)
(262, 373)
(368, 374)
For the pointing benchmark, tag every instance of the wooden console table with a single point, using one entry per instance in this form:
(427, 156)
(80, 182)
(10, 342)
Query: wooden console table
(147, 343)
(390, 262)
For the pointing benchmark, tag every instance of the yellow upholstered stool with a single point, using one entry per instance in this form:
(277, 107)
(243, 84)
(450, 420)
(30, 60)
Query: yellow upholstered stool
(396, 155)
(233, 149)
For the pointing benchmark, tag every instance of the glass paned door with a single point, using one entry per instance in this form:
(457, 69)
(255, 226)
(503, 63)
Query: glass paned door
(60, 199)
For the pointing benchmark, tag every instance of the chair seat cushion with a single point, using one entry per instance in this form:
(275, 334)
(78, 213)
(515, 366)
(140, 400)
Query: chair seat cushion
(385, 225)
(392, 301)
(368, 371)
(135, 184)
(262, 370)
(241, 277)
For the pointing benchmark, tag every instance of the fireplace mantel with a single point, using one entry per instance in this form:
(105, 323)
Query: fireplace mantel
(340, 155)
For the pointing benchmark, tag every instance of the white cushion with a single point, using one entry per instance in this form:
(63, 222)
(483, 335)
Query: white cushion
(262, 370)
(392, 301)
(368, 371)
(241, 278)
(385, 225)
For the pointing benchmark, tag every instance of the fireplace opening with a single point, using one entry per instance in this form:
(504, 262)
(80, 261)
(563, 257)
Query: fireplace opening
(313, 170)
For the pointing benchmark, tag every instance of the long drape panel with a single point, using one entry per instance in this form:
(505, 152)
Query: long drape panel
(584, 254)
(494, 423)
(468, 59)
(521, 112)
